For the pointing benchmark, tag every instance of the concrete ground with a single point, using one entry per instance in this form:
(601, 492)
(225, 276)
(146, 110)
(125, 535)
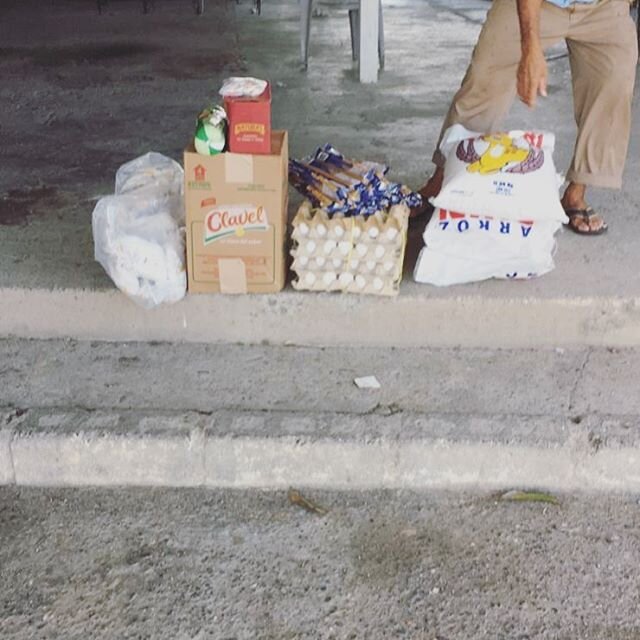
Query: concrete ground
(196, 565)
(82, 93)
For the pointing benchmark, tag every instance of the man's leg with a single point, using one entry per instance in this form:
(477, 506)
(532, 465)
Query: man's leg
(603, 52)
(489, 86)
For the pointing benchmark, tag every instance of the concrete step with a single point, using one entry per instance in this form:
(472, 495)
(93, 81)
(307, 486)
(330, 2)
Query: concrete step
(242, 449)
(421, 318)
(77, 413)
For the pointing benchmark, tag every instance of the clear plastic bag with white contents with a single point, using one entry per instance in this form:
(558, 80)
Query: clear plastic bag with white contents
(139, 235)
(151, 171)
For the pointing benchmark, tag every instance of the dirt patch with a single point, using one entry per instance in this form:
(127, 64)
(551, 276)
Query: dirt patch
(86, 53)
(18, 206)
(193, 67)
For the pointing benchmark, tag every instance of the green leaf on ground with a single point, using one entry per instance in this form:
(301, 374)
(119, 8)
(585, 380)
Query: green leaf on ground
(297, 499)
(529, 496)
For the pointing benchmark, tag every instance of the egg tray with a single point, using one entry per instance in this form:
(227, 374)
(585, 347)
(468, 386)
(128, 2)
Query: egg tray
(349, 254)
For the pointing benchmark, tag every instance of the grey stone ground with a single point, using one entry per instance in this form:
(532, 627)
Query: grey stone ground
(187, 377)
(81, 94)
(186, 565)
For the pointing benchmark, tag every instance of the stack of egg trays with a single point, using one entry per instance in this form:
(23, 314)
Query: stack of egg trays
(357, 254)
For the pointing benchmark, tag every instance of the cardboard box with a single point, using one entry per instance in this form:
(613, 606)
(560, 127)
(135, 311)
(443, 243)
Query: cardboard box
(236, 214)
(249, 123)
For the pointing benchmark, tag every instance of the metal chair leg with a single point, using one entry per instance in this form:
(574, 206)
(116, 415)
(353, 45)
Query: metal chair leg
(354, 26)
(380, 36)
(306, 6)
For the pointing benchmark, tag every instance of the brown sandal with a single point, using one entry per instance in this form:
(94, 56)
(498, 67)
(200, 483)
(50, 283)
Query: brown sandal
(585, 216)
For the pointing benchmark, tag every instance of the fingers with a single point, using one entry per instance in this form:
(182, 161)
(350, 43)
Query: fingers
(543, 86)
(529, 90)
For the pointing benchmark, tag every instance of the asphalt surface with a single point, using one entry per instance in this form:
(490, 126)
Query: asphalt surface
(197, 564)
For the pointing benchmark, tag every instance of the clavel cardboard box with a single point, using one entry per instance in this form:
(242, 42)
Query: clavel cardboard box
(236, 212)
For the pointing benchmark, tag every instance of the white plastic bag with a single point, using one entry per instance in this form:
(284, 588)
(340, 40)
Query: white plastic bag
(243, 87)
(469, 248)
(510, 176)
(151, 171)
(139, 232)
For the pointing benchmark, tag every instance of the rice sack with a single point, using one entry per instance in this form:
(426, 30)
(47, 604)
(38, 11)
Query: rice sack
(461, 248)
(510, 175)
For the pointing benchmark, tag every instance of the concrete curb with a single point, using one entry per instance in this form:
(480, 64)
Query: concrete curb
(310, 319)
(190, 450)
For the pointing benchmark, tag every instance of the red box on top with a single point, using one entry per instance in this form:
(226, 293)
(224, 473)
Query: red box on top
(250, 123)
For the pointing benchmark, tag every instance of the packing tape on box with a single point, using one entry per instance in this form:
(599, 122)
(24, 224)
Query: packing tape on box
(233, 275)
(238, 168)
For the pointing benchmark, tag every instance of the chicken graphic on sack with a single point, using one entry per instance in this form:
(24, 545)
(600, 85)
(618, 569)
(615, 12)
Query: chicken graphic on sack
(502, 155)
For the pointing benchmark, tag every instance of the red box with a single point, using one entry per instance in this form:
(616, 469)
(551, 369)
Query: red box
(249, 123)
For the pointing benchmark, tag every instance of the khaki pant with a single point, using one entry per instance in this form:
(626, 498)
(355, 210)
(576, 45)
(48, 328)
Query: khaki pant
(603, 52)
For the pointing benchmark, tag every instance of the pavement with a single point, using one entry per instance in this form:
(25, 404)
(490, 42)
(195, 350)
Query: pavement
(98, 90)
(246, 416)
(222, 565)
(485, 388)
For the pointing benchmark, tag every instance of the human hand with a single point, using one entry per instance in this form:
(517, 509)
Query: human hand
(532, 75)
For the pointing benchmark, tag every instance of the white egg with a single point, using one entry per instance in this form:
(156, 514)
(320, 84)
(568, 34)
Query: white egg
(329, 246)
(344, 247)
(329, 278)
(346, 278)
(361, 249)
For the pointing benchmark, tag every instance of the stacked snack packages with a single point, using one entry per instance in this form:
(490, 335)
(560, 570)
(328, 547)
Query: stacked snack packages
(350, 233)
(498, 211)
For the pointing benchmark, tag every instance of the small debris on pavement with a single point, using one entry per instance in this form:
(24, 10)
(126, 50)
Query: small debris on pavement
(529, 496)
(367, 382)
(297, 499)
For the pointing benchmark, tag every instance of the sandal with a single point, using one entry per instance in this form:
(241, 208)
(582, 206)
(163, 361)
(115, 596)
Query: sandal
(585, 216)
